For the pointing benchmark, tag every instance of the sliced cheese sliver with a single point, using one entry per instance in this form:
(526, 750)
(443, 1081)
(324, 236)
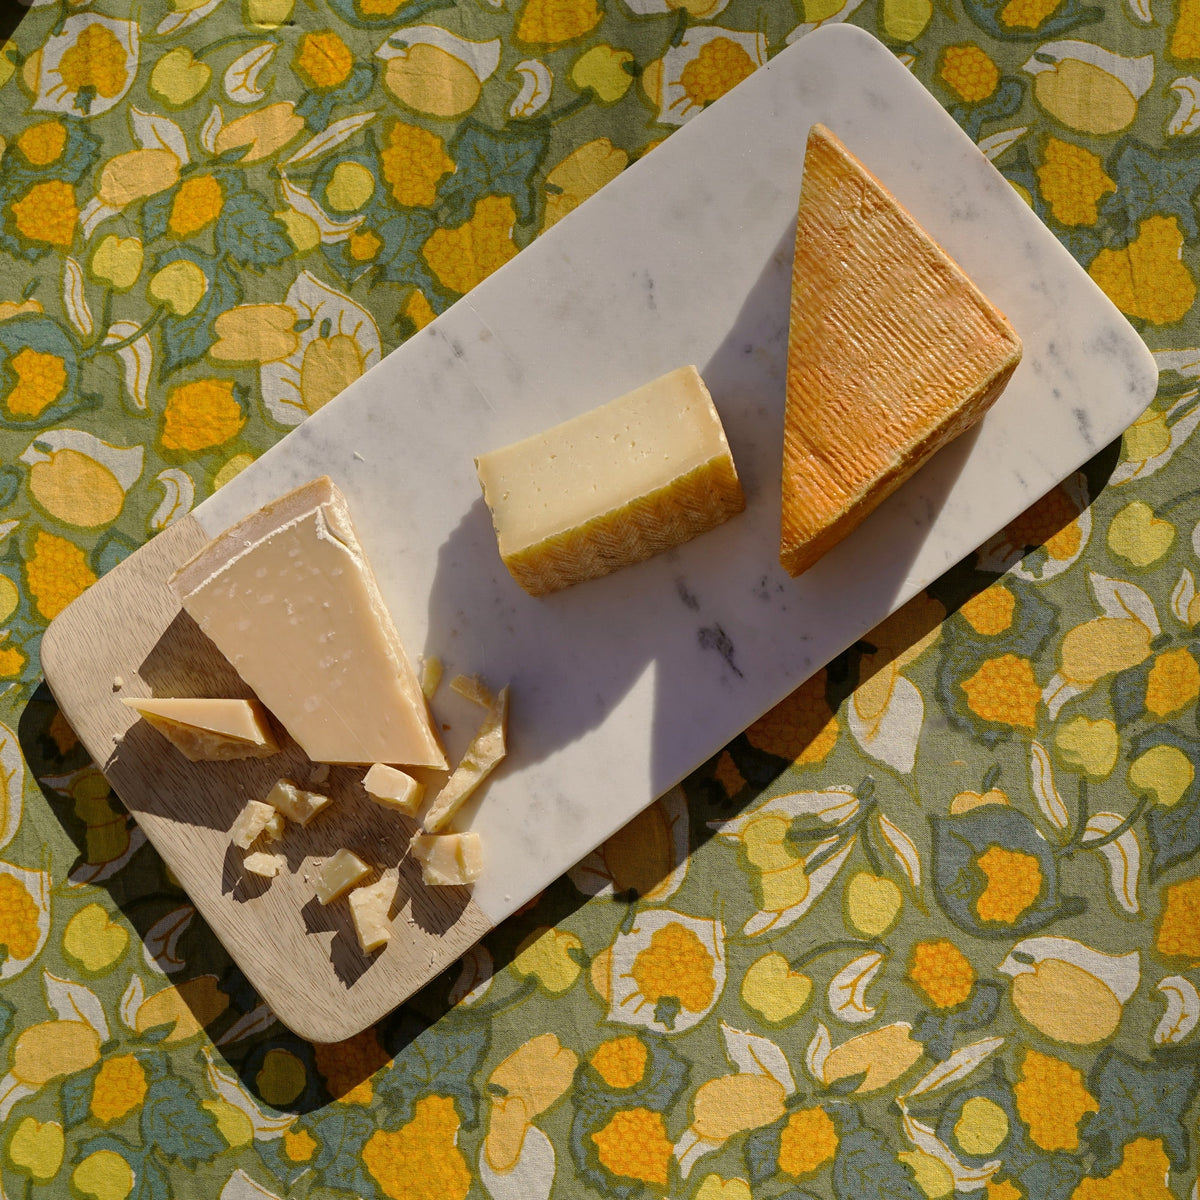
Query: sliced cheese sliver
(482, 756)
(208, 729)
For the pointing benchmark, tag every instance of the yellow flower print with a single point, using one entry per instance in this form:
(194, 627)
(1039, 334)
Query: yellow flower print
(1148, 278)
(714, 1187)
(13, 660)
(87, 67)
(1088, 746)
(323, 60)
(180, 285)
(57, 571)
(982, 1126)
(1014, 882)
(117, 262)
(553, 22)
(41, 380)
(1026, 14)
(1173, 683)
(881, 1056)
(17, 308)
(119, 1089)
(1162, 772)
(96, 60)
(941, 973)
(990, 612)
(808, 1141)
(802, 728)
(1185, 37)
(255, 333)
(364, 245)
(93, 940)
(19, 914)
(708, 63)
(189, 1008)
(1073, 182)
(281, 1077)
(733, 1104)
(634, 1145)
(968, 72)
(677, 964)
(467, 255)
(1004, 690)
(718, 68)
(620, 1061)
(1052, 1099)
(414, 161)
(178, 77)
(1089, 88)
(347, 1067)
(772, 990)
(200, 415)
(36, 1148)
(523, 1087)
(41, 144)
(603, 69)
(136, 174)
(350, 186)
(53, 1049)
(1143, 1174)
(581, 174)
(1138, 536)
(548, 956)
(435, 72)
(417, 309)
(262, 132)
(104, 1174)
(1179, 926)
(197, 204)
(420, 1160)
(1004, 1190)
(78, 479)
(47, 213)
(299, 1147)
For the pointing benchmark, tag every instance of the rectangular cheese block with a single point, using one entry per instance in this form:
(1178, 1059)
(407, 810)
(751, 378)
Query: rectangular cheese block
(295, 803)
(449, 859)
(207, 729)
(254, 821)
(338, 874)
(892, 352)
(289, 598)
(613, 486)
(393, 789)
(370, 908)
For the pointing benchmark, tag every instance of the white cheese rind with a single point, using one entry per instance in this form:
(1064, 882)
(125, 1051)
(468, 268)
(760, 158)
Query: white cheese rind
(448, 859)
(295, 803)
(370, 907)
(338, 874)
(289, 597)
(645, 472)
(394, 789)
(207, 729)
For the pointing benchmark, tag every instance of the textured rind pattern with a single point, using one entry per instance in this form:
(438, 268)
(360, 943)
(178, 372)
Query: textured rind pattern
(668, 516)
(892, 353)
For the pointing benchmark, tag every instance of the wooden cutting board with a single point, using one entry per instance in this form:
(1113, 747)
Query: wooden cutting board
(620, 687)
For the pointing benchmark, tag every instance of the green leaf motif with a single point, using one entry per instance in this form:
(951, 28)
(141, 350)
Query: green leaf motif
(1139, 1099)
(316, 107)
(1003, 102)
(762, 1151)
(186, 339)
(987, 15)
(866, 1165)
(176, 1126)
(249, 234)
(443, 1062)
(400, 258)
(156, 213)
(6, 1018)
(151, 1181)
(493, 163)
(76, 1097)
(938, 1030)
(341, 1133)
(1174, 831)
(42, 335)
(1150, 182)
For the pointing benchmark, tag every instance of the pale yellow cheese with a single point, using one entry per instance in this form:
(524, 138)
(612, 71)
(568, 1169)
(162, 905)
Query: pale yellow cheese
(254, 821)
(892, 352)
(338, 874)
(479, 760)
(295, 803)
(370, 907)
(393, 789)
(449, 859)
(289, 598)
(613, 486)
(207, 729)
(264, 863)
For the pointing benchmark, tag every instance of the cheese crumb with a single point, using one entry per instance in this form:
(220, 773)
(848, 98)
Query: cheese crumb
(394, 789)
(253, 820)
(449, 859)
(472, 688)
(264, 863)
(295, 803)
(431, 676)
(339, 874)
(486, 751)
(369, 906)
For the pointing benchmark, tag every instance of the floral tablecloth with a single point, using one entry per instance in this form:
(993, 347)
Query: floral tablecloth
(930, 926)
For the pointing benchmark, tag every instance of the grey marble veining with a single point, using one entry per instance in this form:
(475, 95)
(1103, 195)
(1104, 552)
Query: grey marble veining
(623, 685)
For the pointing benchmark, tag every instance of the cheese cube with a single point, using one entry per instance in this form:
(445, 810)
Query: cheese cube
(295, 803)
(209, 730)
(448, 859)
(264, 863)
(892, 352)
(290, 599)
(393, 789)
(613, 486)
(253, 821)
(338, 874)
(370, 907)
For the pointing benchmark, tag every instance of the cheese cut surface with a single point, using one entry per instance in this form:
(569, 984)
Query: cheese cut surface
(289, 598)
(393, 789)
(448, 859)
(370, 907)
(613, 486)
(295, 803)
(338, 874)
(264, 863)
(209, 730)
(254, 821)
(892, 353)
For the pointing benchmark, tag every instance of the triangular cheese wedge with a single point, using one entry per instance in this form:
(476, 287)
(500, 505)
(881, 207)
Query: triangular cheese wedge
(209, 729)
(289, 597)
(892, 353)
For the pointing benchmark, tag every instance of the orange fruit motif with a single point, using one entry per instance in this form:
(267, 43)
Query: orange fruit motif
(634, 1144)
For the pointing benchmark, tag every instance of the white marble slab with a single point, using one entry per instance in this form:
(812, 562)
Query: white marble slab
(622, 686)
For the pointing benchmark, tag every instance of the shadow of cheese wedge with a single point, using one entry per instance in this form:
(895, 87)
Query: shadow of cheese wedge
(289, 597)
(892, 352)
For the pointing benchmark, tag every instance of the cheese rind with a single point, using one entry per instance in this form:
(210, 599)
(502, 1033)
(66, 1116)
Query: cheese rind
(613, 486)
(448, 859)
(254, 821)
(295, 803)
(370, 907)
(892, 353)
(486, 752)
(393, 789)
(338, 874)
(207, 729)
(289, 597)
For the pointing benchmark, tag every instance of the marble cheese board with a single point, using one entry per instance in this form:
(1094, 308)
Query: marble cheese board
(621, 686)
